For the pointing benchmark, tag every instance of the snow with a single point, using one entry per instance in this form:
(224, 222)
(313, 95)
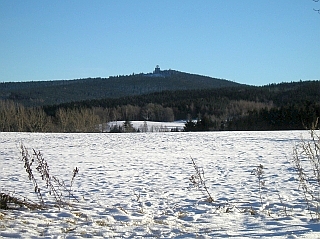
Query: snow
(136, 185)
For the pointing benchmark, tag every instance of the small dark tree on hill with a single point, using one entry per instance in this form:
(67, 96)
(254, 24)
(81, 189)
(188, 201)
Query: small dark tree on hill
(190, 126)
(128, 127)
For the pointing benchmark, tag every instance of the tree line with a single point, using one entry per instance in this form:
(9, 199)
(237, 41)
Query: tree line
(284, 106)
(15, 117)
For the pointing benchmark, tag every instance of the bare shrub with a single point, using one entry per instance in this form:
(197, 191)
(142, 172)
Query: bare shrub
(306, 161)
(39, 174)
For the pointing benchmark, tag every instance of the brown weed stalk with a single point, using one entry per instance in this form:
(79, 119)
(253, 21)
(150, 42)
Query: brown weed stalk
(197, 181)
(258, 172)
(52, 184)
(306, 161)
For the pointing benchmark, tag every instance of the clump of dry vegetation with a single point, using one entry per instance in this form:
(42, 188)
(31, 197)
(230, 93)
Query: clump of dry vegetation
(306, 160)
(11, 201)
(44, 184)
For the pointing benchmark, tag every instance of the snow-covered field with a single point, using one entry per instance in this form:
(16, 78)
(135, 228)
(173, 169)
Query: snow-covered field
(137, 185)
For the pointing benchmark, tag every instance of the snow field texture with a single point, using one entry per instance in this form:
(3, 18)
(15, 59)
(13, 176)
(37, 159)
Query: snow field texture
(137, 185)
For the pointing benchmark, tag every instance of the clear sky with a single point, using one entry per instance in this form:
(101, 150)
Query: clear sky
(254, 42)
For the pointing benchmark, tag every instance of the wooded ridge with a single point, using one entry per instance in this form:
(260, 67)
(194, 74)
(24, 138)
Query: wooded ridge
(39, 93)
(215, 104)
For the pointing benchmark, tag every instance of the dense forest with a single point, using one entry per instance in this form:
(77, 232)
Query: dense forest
(285, 106)
(40, 93)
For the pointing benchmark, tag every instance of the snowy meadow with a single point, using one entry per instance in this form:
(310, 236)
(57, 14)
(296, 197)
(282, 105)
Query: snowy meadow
(140, 185)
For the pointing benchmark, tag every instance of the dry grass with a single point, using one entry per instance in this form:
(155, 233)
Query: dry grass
(9, 201)
(38, 173)
(306, 160)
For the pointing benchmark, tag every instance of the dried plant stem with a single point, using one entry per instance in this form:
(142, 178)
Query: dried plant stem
(306, 161)
(55, 187)
(28, 161)
(258, 171)
(198, 181)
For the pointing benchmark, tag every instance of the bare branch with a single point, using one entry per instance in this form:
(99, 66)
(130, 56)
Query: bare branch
(317, 10)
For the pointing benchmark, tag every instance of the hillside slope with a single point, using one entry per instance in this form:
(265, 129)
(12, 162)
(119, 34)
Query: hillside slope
(57, 92)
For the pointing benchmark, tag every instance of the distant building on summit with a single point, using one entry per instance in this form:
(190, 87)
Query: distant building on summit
(157, 70)
(159, 73)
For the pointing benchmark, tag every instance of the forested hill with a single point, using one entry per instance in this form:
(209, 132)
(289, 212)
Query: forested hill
(282, 106)
(38, 93)
(285, 106)
(216, 104)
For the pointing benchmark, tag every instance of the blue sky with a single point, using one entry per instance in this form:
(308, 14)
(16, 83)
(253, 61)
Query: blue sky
(249, 41)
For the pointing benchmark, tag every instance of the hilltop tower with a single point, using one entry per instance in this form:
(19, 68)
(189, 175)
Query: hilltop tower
(157, 70)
